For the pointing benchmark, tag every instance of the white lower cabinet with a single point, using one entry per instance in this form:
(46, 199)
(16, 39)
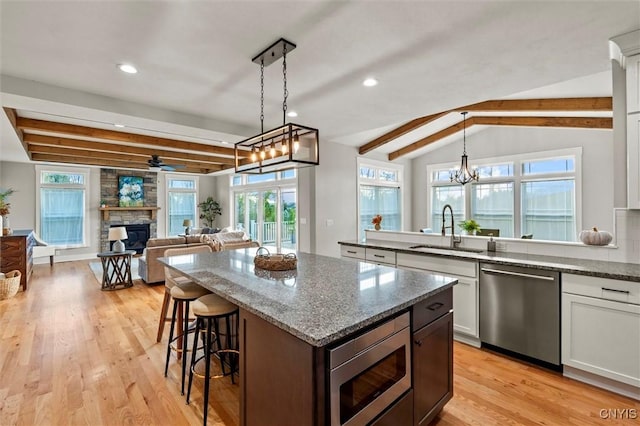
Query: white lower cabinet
(465, 293)
(601, 331)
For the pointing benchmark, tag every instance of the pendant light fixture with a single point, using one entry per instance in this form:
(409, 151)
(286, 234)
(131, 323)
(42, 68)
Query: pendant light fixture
(464, 175)
(290, 145)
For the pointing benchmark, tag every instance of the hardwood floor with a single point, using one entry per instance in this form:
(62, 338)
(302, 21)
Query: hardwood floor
(73, 354)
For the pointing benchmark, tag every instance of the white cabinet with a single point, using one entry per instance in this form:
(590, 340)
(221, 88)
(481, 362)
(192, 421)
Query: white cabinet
(380, 257)
(465, 293)
(352, 251)
(633, 83)
(633, 160)
(601, 331)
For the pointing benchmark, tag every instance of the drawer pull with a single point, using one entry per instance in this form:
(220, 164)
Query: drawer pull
(435, 306)
(378, 255)
(418, 342)
(351, 252)
(615, 290)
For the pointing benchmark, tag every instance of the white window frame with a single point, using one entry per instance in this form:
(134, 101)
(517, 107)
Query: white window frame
(86, 238)
(278, 185)
(375, 164)
(167, 178)
(518, 178)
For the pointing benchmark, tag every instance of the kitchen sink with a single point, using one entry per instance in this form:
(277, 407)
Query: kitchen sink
(429, 246)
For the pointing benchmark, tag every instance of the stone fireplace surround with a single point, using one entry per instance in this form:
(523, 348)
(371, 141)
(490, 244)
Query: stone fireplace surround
(109, 195)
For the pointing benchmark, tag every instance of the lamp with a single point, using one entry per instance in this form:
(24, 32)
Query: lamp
(116, 234)
(298, 144)
(464, 175)
(187, 224)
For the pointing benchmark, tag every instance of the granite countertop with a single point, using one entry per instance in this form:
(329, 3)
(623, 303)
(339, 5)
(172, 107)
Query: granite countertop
(595, 268)
(322, 301)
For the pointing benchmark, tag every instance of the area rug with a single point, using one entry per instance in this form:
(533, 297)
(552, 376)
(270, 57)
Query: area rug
(96, 268)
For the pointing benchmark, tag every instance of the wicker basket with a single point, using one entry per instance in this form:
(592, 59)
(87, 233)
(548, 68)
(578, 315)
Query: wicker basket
(10, 284)
(274, 262)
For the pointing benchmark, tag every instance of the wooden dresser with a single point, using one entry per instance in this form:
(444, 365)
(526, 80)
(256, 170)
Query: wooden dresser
(16, 252)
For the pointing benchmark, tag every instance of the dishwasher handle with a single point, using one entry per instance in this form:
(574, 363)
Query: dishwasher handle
(517, 274)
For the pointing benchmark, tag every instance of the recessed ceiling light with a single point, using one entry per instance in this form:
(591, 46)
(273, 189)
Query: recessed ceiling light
(119, 125)
(370, 82)
(292, 114)
(128, 68)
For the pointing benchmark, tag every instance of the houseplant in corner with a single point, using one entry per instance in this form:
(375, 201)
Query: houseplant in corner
(470, 226)
(209, 209)
(4, 211)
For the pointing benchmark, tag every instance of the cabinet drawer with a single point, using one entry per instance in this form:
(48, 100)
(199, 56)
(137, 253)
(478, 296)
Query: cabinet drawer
(351, 251)
(602, 288)
(381, 256)
(439, 264)
(432, 308)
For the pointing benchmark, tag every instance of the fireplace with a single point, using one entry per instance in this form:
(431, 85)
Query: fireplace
(138, 234)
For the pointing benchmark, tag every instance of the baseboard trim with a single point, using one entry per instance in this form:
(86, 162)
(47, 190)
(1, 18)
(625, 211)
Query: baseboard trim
(465, 338)
(602, 382)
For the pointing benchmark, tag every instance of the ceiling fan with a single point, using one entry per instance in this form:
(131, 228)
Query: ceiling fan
(156, 164)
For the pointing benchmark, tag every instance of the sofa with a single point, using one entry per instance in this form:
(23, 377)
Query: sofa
(152, 271)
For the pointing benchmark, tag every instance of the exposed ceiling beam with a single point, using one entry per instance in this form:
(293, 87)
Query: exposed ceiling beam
(399, 131)
(106, 163)
(574, 122)
(35, 139)
(511, 105)
(112, 135)
(13, 119)
(57, 150)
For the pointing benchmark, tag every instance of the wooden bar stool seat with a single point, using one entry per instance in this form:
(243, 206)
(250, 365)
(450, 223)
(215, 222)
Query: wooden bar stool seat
(209, 310)
(182, 294)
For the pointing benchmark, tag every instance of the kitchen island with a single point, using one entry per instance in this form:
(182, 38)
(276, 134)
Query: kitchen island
(291, 320)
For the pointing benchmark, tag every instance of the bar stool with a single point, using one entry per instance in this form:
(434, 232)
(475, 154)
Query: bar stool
(171, 278)
(182, 294)
(209, 310)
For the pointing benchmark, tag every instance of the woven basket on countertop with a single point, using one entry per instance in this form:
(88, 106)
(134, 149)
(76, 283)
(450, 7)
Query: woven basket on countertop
(275, 262)
(10, 284)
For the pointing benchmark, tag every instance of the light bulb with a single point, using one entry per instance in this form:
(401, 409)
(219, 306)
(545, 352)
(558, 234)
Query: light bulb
(263, 153)
(272, 152)
(296, 142)
(254, 157)
(285, 147)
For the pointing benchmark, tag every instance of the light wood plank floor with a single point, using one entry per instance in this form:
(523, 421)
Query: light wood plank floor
(73, 354)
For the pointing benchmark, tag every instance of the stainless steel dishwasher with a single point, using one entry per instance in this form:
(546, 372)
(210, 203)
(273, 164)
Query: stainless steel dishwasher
(520, 311)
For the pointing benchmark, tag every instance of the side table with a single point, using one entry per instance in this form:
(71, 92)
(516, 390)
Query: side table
(116, 269)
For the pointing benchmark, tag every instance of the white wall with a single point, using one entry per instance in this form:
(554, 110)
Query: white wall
(597, 164)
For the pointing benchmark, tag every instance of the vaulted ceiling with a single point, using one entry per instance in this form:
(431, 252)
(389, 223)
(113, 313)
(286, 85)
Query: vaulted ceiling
(198, 92)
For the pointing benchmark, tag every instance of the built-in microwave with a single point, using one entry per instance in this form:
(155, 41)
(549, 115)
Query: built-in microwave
(368, 373)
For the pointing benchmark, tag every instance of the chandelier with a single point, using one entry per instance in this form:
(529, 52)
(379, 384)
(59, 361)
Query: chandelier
(286, 147)
(464, 175)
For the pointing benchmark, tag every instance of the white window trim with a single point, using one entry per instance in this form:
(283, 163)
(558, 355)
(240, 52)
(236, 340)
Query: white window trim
(167, 178)
(517, 179)
(362, 161)
(86, 237)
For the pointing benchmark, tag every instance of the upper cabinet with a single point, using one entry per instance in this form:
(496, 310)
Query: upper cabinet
(626, 49)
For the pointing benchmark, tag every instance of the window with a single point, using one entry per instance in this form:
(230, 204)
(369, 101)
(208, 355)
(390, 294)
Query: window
(534, 194)
(62, 196)
(265, 207)
(379, 192)
(182, 203)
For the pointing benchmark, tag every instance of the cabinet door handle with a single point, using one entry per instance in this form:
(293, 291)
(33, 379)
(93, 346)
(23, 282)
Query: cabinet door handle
(351, 252)
(378, 255)
(435, 306)
(418, 342)
(615, 290)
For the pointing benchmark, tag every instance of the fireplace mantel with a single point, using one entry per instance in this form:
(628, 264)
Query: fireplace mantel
(105, 211)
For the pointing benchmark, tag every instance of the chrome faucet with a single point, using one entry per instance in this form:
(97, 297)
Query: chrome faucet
(454, 241)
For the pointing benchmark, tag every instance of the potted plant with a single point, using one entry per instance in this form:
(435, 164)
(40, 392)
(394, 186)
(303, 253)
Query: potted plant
(377, 219)
(209, 209)
(470, 226)
(4, 211)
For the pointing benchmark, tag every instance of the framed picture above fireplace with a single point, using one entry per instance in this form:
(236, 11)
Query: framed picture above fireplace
(130, 191)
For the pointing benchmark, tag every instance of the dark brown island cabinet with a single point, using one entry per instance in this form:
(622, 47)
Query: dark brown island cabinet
(286, 380)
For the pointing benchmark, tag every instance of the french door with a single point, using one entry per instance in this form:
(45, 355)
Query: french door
(268, 216)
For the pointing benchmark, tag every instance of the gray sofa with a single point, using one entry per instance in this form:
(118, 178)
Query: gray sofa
(152, 271)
